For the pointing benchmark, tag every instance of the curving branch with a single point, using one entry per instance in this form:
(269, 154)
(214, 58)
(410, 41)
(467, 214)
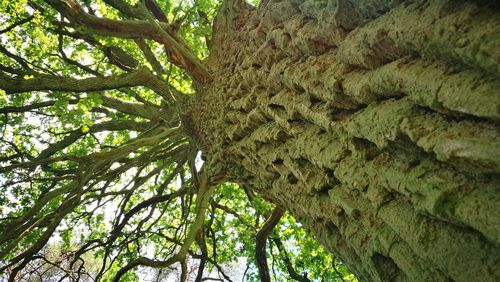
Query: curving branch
(204, 194)
(289, 266)
(260, 245)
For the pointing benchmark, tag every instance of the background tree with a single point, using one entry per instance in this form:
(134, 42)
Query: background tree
(373, 123)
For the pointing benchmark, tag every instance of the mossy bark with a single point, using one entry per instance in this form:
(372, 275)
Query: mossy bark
(375, 123)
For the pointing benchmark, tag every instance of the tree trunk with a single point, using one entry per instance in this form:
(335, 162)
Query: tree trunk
(375, 123)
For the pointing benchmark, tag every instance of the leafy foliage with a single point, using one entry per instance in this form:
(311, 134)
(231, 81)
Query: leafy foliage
(97, 176)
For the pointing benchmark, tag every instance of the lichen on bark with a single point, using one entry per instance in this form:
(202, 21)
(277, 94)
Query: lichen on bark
(375, 123)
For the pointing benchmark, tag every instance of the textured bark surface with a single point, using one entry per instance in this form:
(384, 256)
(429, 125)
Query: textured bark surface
(375, 123)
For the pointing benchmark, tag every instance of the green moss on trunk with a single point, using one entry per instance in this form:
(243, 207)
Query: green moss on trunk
(380, 134)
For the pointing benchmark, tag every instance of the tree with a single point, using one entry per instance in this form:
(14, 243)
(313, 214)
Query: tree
(373, 123)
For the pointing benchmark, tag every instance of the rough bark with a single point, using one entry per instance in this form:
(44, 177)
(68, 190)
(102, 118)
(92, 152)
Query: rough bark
(375, 123)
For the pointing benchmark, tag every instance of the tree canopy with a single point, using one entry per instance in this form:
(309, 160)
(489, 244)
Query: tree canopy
(99, 179)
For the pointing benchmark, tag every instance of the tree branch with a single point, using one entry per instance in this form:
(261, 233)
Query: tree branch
(22, 109)
(18, 23)
(105, 126)
(260, 246)
(55, 83)
(293, 274)
(140, 77)
(205, 191)
(182, 55)
(150, 56)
